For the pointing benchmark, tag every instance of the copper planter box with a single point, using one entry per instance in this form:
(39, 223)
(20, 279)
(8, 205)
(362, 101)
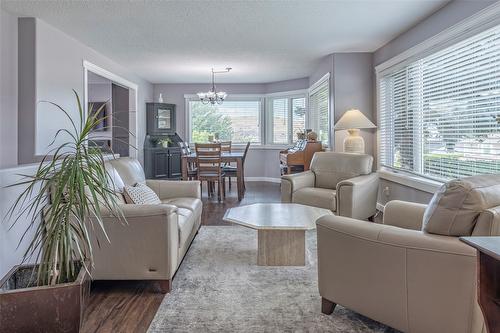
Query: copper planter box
(55, 309)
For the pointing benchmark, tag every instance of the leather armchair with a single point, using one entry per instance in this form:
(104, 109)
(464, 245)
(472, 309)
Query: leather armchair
(341, 182)
(399, 275)
(152, 242)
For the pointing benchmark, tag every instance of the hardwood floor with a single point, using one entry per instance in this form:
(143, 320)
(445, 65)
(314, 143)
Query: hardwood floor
(130, 306)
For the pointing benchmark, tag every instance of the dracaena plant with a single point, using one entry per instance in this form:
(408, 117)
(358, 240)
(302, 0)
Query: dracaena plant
(63, 201)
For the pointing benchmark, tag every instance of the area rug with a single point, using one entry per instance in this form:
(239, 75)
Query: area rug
(220, 288)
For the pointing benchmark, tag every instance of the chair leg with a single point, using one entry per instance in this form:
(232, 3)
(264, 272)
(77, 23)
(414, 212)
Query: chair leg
(229, 183)
(223, 188)
(327, 306)
(219, 190)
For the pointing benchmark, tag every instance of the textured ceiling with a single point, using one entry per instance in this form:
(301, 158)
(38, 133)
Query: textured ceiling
(264, 41)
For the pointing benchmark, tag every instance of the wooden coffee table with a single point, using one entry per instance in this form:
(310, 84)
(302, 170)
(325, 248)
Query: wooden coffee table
(281, 230)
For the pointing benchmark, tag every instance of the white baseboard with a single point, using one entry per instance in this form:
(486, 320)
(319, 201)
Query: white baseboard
(262, 179)
(380, 207)
(258, 179)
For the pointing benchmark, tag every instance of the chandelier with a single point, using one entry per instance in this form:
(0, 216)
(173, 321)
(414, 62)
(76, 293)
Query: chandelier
(213, 96)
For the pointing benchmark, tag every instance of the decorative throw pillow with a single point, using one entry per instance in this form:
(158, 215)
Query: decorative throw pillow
(140, 194)
(455, 207)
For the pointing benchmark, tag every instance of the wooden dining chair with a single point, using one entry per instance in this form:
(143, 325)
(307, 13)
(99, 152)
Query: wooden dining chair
(209, 165)
(232, 171)
(226, 148)
(192, 171)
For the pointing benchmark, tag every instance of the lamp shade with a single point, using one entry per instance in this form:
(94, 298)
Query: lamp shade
(353, 119)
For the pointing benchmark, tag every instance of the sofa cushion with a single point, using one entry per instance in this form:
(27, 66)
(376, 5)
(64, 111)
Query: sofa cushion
(193, 204)
(186, 224)
(140, 194)
(330, 168)
(129, 169)
(456, 206)
(315, 196)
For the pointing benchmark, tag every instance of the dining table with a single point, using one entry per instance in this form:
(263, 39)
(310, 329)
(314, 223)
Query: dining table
(226, 157)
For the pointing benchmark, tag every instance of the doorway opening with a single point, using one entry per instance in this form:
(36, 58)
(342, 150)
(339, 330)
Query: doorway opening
(116, 101)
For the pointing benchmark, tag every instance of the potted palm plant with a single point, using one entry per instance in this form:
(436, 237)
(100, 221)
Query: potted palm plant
(63, 202)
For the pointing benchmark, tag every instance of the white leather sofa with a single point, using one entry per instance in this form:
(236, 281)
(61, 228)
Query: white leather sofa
(413, 277)
(341, 182)
(153, 242)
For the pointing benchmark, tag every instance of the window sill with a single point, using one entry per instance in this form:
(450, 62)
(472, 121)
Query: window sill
(419, 183)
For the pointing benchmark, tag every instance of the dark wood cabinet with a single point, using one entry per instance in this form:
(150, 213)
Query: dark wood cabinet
(163, 163)
(161, 118)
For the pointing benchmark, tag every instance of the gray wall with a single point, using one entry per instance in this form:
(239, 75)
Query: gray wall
(8, 89)
(174, 93)
(262, 163)
(353, 89)
(351, 86)
(389, 190)
(55, 77)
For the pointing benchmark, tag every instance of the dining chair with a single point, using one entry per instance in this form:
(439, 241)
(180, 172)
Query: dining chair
(232, 171)
(226, 148)
(192, 171)
(209, 163)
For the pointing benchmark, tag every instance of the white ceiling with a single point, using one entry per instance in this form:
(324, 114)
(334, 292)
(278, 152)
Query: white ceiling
(264, 41)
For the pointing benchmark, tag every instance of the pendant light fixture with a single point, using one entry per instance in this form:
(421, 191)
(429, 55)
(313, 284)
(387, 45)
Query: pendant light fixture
(213, 96)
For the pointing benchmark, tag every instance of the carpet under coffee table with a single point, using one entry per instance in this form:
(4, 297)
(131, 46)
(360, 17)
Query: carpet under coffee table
(219, 288)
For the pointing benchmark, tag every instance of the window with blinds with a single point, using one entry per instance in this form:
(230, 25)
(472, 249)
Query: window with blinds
(234, 120)
(287, 116)
(319, 110)
(440, 115)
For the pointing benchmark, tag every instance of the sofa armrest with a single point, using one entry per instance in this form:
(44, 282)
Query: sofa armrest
(425, 282)
(404, 214)
(292, 183)
(357, 197)
(144, 247)
(168, 189)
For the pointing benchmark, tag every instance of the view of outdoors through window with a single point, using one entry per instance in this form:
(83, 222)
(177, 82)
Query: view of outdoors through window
(298, 116)
(320, 112)
(440, 116)
(238, 121)
(286, 125)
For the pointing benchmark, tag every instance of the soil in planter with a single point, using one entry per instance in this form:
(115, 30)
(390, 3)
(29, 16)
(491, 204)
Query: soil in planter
(26, 277)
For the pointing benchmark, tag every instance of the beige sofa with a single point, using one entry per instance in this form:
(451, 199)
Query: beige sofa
(341, 182)
(153, 242)
(401, 276)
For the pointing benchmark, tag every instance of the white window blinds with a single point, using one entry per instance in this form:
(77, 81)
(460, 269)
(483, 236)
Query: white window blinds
(320, 111)
(280, 120)
(286, 117)
(440, 115)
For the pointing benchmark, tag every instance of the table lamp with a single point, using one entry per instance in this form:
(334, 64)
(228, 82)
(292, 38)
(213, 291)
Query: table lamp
(352, 120)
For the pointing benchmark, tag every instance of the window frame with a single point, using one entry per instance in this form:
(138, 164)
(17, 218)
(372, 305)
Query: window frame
(485, 19)
(249, 97)
(269, 128)
(264, 121)
(314, 88)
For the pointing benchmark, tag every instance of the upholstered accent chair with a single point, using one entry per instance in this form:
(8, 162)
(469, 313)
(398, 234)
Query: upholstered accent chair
(155, 238)
(341, 182)
(412, 272)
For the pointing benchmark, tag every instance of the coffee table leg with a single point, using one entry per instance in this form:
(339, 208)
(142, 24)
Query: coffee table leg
(281, 248)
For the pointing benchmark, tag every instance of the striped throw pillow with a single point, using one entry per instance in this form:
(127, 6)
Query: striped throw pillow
(140, 194)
